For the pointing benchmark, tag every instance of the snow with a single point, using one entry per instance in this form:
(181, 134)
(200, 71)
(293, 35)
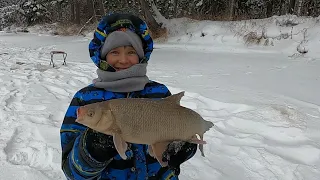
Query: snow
(228, 36)
(263, 102)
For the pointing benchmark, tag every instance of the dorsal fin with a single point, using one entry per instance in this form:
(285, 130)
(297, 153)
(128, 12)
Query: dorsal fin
(175, 98)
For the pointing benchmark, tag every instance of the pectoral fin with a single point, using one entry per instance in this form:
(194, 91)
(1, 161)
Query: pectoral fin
(200, 141)
(195, 140)
(121, 145)
(201, 145)
(158, 149)
(150, 151)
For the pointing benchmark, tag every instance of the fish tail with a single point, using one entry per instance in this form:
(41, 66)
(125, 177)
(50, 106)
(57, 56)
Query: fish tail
(201, 145)
(208, 125)
(201, 150)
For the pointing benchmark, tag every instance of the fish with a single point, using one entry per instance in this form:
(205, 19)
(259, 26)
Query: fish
(154, 122)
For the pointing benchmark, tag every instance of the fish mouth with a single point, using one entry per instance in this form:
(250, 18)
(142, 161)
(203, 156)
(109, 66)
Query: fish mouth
(78, 112)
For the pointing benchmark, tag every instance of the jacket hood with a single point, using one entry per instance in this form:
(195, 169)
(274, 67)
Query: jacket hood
(114, 22)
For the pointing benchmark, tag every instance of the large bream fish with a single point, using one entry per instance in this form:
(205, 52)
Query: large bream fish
(155, 122)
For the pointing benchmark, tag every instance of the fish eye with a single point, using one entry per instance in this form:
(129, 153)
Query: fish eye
(90, 113)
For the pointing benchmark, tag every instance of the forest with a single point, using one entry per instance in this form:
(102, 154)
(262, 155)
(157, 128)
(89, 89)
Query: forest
(81, 12)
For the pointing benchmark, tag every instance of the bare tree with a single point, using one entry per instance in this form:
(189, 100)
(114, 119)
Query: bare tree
(176, 8)
(153, 24)
(231, 9)
(269, 4)
(299, 7)
(72, 10)
(291, 6)
(125, 2)
(90, 11)
(90, 8)
(100, 11)
(59, 6)
(77, 12)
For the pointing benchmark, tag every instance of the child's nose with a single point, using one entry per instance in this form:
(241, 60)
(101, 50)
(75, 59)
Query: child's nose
(123, 59)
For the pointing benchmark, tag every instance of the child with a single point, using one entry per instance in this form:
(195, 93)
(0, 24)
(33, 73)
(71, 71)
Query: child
(121, 48)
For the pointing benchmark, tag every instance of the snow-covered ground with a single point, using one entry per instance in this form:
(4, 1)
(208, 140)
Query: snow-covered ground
(265, 104)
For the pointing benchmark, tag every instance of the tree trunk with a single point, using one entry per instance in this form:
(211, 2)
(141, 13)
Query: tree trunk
(231, 9)
(287, 6)
(125, 3)
(100, 7)
(176, 8)
(282, 8)
(72, 16)
(291, 6)
(309, 7)
(269, 8)
(77, 6)
(152, 23)
(90, 8)
(166, 14)
(299, 7)
(59, 7)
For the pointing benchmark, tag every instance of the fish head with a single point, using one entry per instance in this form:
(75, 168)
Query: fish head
(89, 115)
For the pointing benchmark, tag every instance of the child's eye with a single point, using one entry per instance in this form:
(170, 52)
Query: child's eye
(132, 52)
(114, 52)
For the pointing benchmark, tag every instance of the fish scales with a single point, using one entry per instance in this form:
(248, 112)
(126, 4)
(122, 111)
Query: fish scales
(156, 120)
(145, 121)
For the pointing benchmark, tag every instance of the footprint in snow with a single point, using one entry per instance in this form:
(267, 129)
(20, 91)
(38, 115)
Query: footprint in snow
(27, 147)
(12, 101)
(56, 90)
(4, 91)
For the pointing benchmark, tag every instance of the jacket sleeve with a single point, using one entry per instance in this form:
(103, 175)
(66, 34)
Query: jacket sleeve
(77, 163)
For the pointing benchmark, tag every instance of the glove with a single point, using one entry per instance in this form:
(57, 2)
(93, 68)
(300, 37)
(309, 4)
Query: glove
(178, 152)
(100, 146)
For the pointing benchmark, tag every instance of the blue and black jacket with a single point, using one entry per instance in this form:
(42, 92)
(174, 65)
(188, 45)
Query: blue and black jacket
(83, 155)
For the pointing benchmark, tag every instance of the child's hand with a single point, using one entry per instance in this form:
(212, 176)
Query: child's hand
(178, 152)
(100, 146)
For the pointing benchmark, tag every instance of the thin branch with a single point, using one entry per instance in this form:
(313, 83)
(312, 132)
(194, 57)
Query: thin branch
(85, 24)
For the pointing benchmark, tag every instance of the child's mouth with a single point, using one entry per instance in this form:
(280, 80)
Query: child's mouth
(119, 69)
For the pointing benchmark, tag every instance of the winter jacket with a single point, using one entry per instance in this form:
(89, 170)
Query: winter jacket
(81, 160)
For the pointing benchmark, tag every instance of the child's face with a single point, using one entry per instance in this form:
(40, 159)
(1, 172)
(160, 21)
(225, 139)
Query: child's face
(122, 57)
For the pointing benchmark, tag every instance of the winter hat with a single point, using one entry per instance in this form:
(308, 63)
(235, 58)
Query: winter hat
(122, 38)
